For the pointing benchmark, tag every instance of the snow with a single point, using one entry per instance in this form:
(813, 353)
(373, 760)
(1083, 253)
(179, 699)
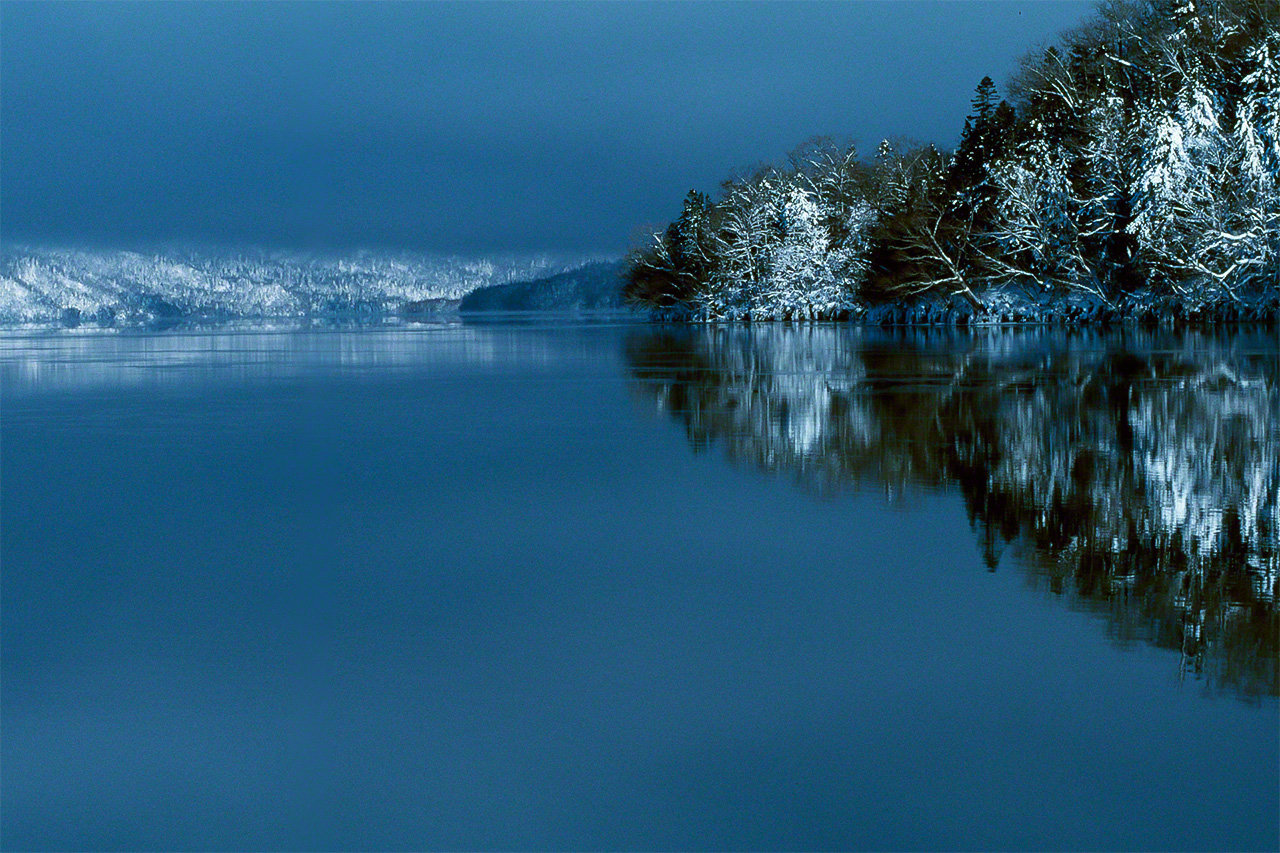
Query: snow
(43, 285)
(1141, 179)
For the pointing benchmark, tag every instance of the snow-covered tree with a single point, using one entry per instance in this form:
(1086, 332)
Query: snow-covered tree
(809, 277)
(1035, 238)
(1256, 139)
(1200, 205)
(1139, 165)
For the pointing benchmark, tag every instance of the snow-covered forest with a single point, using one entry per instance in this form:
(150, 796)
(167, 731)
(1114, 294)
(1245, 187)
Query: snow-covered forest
(72, 286)
(1137, 477)
(1132, 170)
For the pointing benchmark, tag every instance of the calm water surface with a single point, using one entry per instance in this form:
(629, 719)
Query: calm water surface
(530, 586)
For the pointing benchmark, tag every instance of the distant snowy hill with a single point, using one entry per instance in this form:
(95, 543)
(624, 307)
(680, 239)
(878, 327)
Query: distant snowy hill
(593, 287)
(69, 286)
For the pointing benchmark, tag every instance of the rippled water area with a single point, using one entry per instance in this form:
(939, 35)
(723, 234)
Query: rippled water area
(540, 585)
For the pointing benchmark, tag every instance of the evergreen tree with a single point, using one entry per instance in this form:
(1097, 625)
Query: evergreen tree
(1141, 157)
(984, 100)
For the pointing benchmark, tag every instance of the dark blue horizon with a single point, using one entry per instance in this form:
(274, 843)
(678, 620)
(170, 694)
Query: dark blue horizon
(454, 127)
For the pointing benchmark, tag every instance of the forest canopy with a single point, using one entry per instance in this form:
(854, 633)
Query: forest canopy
(1133, 169)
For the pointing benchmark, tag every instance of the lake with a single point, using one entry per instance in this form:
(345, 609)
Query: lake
(607, 585)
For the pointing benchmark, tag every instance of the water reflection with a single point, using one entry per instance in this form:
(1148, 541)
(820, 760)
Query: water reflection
(1136, 474)
(43, 361)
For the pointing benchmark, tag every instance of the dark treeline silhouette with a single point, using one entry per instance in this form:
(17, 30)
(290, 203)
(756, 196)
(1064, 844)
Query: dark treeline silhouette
(1137, 474)
(1134, 170)
(592, 287)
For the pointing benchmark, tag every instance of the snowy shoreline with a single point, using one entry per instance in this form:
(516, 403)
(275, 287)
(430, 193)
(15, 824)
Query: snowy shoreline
(62, 288)
(1001, 309)
(922, 314)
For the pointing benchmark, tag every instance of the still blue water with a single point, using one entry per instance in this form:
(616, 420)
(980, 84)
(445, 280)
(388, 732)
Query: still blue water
(621, 586)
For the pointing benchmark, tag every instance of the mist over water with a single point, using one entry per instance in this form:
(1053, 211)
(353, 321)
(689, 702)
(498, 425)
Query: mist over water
(545, 585)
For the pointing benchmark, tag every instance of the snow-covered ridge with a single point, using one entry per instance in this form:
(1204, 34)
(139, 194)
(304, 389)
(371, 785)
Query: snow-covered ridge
(70, 286)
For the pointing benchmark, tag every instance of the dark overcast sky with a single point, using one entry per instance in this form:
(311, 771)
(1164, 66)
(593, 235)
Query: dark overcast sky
(466, 128)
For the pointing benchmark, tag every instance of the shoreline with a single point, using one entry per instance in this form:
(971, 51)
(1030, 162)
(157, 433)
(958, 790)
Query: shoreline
(997, 310)
(879, 317)
(1134, 309)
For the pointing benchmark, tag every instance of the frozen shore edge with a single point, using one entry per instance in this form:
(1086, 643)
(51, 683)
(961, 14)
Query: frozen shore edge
(999, 310)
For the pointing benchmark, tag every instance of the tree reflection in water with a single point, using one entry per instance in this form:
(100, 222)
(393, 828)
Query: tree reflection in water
(1135, 472)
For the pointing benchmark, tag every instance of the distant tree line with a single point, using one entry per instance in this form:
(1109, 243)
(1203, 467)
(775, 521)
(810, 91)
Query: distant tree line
(1135, 167)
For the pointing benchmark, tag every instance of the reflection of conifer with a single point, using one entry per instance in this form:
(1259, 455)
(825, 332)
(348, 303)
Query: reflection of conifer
(1065, 455)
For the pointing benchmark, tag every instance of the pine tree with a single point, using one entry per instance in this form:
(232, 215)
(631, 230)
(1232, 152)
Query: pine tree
(984, 100)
